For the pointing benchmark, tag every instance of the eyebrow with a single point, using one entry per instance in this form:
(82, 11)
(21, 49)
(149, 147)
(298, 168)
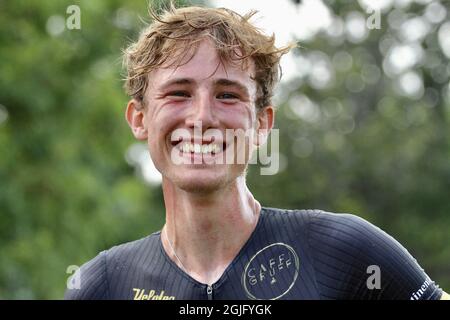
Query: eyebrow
(232, 83)
(219, 82)
(179, 81)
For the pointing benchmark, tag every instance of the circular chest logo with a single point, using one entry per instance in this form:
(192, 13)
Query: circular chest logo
(271, 272)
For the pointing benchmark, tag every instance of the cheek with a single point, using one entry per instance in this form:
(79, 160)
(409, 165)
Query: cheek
(153, 150)
(239, 117)
(160, 125)
(163, 121)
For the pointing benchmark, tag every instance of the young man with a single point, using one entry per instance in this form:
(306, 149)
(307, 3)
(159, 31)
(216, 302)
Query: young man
(194, 75)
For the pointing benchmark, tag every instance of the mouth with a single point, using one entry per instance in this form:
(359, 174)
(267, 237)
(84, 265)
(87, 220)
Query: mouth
(205, 147)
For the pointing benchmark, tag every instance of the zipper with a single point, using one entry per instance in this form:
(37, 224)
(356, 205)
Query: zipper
(209, 292)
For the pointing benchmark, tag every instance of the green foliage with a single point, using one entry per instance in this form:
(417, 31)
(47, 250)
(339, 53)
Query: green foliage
(67, 191)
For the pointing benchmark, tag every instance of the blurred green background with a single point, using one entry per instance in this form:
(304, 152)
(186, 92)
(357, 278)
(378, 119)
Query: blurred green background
(364, 128)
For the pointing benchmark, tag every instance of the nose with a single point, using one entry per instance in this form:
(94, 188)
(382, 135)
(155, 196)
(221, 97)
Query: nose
(202, 113)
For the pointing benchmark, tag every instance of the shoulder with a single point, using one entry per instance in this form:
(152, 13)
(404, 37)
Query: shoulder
(338, 231)
(124, 253)
(327, 233)
(348, 252)
(319, 222)
(362, 250)
(283, 217)
(91, 280)
(345, 227)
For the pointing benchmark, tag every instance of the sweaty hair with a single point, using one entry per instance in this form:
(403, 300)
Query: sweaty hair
(174, 35)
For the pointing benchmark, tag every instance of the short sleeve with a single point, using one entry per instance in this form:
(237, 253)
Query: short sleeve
(90, 281)
(401, 277)
(364, 262)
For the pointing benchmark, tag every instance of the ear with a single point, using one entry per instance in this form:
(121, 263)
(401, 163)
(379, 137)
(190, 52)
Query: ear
(265, 120)
(135, 115)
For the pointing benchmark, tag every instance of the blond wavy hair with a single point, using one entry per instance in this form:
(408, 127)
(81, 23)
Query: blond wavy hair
(176, 33)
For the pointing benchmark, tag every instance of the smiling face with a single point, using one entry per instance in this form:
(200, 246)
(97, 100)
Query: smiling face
(188, 110)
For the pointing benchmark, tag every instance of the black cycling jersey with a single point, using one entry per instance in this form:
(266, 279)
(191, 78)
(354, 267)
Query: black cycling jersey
(291, 254)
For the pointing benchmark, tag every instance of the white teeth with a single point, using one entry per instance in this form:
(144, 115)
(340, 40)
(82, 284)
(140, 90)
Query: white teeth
(198, 148)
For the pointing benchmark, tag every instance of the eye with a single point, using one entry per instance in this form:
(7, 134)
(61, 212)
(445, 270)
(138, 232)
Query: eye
(227, 96)
(178, 94)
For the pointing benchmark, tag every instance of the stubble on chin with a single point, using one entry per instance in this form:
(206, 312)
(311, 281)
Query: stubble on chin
(209, 184)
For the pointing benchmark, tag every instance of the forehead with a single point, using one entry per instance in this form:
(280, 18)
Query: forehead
(203, 66)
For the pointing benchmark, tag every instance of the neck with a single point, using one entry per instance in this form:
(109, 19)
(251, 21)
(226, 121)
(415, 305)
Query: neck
(207, 231)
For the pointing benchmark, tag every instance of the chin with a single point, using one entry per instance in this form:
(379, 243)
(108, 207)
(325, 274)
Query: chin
(199, 184)
(203, 180)
(200, 188)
